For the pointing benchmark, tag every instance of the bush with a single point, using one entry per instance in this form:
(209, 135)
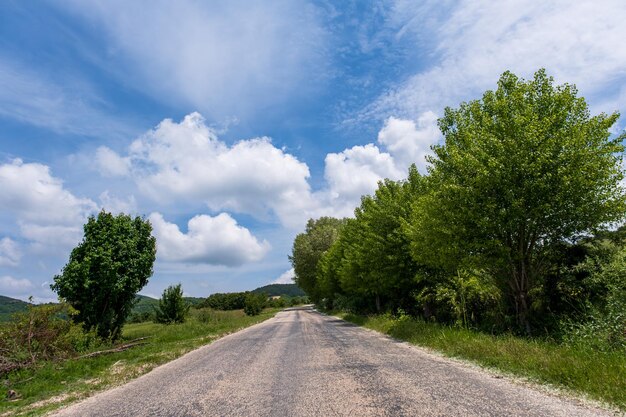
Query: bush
(605, 328)
(43, 332)
(172, 307)
(254, 303)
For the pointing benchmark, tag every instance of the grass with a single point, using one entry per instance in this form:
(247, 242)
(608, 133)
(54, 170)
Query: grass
(58, 383)
(597, 375)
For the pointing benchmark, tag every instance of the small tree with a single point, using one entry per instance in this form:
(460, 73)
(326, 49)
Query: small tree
(254, 304)
(106, 270)
(172, 307)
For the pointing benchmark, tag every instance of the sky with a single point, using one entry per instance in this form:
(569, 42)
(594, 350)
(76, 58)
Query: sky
(230, 123)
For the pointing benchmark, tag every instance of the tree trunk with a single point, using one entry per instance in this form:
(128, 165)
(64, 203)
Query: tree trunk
(377, 303)
(520, 286)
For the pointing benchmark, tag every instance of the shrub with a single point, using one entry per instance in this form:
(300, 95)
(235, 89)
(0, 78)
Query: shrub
(172, 307)
(43, 332)
(254, 304)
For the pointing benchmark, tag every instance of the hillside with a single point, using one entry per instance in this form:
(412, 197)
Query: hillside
(9, 305)
(291, 290)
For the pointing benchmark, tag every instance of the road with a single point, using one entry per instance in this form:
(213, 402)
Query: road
(302, 363)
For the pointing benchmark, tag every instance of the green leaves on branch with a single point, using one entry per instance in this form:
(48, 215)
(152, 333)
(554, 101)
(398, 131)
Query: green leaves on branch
(106, 270)
(172, 307)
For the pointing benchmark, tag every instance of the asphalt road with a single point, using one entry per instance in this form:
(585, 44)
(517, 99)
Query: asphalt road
(302, 363)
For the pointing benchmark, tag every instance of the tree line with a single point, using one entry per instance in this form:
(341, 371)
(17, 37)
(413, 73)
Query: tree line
(513, 227)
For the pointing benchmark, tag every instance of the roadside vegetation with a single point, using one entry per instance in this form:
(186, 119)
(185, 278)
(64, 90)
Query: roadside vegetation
(510, 250)
(598, 374)
(56, 353)
(53, 381)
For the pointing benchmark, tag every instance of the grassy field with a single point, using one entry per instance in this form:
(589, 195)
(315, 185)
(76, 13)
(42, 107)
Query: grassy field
(55, 384)
(597, 375)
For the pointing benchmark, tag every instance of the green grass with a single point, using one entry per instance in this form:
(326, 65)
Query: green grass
(54, 384)
(598, 375)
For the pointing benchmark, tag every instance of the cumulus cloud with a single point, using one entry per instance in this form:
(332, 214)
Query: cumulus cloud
(10, 285)
(578, 42)
(409, 142)
(47, 213)
(186, 162)
(110, 164)
(352, 173)
(10, 253)
(285, 278)
(215, 240)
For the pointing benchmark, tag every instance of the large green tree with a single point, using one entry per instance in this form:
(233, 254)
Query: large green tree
(377, 261)
(106, 270)
(521, 170)
(308, 248)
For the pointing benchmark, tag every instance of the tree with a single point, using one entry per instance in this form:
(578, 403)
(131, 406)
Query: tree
(254, 303)
(521, 170)
(377, 262)
(172, 307)
(308, 248)
(106, 270)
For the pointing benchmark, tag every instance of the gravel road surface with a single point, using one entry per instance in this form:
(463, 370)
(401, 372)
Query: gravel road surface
(302, 363)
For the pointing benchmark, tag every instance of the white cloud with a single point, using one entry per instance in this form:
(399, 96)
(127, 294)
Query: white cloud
(10, 253)
(409, 142)
(579, 42)
(223, 57)
(110, 164)
(116, 205)
(10, 285)
(353, 173)
(215, 240)
(185, 162)
(47, 213)
(285, 278)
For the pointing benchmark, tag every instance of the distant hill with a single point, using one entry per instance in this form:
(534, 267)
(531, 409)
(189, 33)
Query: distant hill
(291, 290)
(9, 305)
(144, 304)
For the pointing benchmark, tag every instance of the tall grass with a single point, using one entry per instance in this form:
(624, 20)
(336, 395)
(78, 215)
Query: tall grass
(56, 383)
(601, 375)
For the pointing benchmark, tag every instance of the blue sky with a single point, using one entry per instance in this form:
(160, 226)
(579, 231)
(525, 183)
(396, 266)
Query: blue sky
(228, 124)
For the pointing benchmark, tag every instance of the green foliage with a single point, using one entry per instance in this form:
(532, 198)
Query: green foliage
(254, 303)
(376, 262)
(106, 270)
(467, 299)
(521, 170)
(604, 328)
(172, 306)
(41, 333)
(308, 248)
(225, 301)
